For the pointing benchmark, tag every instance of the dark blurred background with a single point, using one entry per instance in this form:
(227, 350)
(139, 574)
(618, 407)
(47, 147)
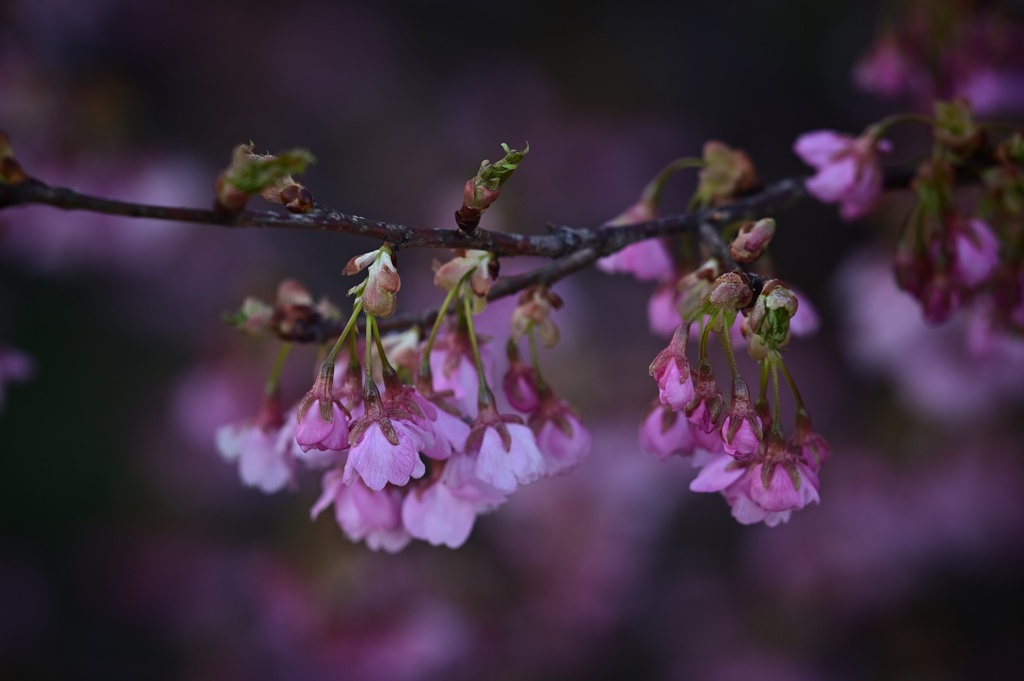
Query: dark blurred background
(128, 549)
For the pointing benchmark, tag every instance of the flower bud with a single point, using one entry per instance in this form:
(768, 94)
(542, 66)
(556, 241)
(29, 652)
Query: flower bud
(483, 190)
(768, 320)
(11, 171)
(752, 240)
(731, 291)
(706, 406)
(520, 382)
(534, 311)
(251, 173)
(381, 286)
(696, 285)
(727, 173)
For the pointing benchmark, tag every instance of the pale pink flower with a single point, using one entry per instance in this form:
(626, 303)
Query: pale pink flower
(977, 251)
(263, 454)
(453, 368)
(385, 444)
(663, 310)
(848, 169)
(520, 384)
(505, 463)
(647, 260)
(664, 433)
(449, 431)
(364, 514)
(444, 511)
(15, 367)
(561, 438)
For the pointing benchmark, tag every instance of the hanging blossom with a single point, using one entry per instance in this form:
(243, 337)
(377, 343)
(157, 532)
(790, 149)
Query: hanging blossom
(264, 448)
(849, 171)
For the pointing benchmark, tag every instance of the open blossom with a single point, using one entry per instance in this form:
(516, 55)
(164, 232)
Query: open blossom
(364, 514)
(664, 433)
(561, 438)
(385, 445)
(449, 431)
(506, 455)
(977, 251)
(264, 455)
(848, 169)
(743, 487)
(444, 511)
(452, 368)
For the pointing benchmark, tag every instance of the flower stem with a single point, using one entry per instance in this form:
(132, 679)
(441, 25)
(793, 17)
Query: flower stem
(792, 385)
(441, 313)
(726, 339)
(369, 347)
(385, 365)
(274, 382)
(777, 421)
(542, 387)
(485, 391)
(652, 192)
(877, 129)
(348, 327)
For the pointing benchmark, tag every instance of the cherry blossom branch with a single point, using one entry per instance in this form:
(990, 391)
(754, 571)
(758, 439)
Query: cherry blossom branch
(562, 241)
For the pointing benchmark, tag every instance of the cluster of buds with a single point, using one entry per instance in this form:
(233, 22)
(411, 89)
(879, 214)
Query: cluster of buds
(271, 176)
(294, 314)
(741, 447)
(404, 459)
(947, 257)
(483, 190)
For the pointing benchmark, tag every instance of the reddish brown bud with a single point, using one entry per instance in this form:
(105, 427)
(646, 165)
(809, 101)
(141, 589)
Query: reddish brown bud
(752, 240)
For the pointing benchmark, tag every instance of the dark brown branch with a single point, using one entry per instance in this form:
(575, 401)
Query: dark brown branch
(561, 242)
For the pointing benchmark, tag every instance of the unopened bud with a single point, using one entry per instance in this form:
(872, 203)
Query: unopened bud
(728, 172)
(292, 195)
(695, 286)
(752, 240)
(11, 171)
(382, 284)
(254, 317)
(731, 292)
(534, 312)
(768, 320)
(291, 292)
(955, 128)
(483, 190)
(251, 173)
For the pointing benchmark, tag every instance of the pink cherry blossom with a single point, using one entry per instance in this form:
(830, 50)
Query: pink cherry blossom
(444, 511)
(848, 169)
(671, 370)
(449, 431)
(453, 368)
(663, 310)
(561, 438)
(647, 260)
(520, 384)
(263, 454)
(664, 433)
(386, 451)
(977, 252)
(746, 440)
(781, 493)
(504, 467)
(313, 432)
(364, 514)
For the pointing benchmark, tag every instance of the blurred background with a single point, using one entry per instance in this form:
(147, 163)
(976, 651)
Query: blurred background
(129, 549)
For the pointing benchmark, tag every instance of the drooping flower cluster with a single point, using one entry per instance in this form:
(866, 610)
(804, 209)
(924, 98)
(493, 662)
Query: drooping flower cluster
(741, 448)
(417, 460)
